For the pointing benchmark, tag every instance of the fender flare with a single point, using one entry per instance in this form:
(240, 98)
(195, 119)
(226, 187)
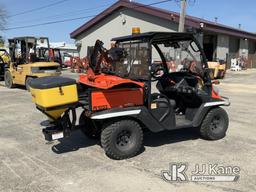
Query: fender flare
(205, 108)
(141, 114)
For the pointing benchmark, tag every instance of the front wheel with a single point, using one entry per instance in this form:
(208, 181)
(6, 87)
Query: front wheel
(8, 80)
(122, 139)
(215, 124)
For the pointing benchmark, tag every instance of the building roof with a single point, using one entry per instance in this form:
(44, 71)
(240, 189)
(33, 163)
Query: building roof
(191, 21)
(156, 36)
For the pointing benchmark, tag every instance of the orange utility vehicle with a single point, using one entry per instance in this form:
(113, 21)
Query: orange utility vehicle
(120, 100)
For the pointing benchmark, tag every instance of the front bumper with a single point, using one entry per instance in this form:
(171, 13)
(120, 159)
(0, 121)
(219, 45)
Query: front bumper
(223, 102)
(226, 100)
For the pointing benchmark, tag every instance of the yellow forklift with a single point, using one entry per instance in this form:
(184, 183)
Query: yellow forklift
(30, 58)
(4, 61)
(217, 68)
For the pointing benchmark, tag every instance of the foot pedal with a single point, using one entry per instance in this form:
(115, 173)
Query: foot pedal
(52, 133)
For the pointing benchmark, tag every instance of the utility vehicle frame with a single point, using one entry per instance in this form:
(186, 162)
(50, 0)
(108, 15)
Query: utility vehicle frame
(119, 99)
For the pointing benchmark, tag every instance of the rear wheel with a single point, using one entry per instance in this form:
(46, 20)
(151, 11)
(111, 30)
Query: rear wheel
(8, 80)
(215, 124)
(122, 139)
(28, 80)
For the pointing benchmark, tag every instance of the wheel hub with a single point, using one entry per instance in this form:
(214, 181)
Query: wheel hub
(123, 139)
(215, 123)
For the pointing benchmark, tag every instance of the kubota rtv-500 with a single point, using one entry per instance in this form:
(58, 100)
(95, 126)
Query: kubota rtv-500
(156, 81)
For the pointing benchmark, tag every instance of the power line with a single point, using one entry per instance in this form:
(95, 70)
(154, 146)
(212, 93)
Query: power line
(75, 12)
(50, 22)
(190, 2)
(38, 8)
(78, 18)
(155, 3)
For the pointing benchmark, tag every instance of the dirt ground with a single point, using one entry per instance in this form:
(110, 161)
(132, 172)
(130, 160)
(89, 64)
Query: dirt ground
(28, 163)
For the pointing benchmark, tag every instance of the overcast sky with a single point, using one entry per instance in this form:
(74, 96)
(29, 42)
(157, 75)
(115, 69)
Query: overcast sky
(229, 12)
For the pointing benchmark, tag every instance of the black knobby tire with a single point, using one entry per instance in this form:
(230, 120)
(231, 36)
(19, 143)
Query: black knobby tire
(215, 124)
(28, 80)
(122, 139)
(8, 80)
(88, 127)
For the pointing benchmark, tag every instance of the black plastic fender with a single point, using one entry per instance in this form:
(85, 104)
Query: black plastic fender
(141, 113)
(205, 108)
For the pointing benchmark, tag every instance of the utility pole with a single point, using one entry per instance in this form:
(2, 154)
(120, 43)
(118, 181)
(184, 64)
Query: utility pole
(182, 15)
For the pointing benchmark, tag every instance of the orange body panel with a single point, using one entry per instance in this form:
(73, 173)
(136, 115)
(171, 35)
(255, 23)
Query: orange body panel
(115, 98)
(104, 81)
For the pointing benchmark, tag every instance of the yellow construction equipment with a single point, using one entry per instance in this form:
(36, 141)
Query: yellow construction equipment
(217, 68)
(4, 61)
(30, 58)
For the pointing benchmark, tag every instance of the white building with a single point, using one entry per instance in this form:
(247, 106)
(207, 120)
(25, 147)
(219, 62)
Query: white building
(219, 41)
(64, 47)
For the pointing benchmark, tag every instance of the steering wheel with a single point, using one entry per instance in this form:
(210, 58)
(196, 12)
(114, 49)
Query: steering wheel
(157, 72)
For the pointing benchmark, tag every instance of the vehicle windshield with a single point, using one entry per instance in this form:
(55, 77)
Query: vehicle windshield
(42, 49)
(130, 58)
(29, 50)
(179, 56)
(133, 61)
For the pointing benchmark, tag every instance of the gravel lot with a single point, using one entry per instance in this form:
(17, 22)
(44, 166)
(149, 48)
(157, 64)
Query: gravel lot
(28, 163)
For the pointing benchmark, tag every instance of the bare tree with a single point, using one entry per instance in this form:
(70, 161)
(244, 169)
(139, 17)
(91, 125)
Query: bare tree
(1, 41)
(3, 18)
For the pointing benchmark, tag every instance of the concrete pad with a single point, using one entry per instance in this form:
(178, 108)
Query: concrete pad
(29, 163)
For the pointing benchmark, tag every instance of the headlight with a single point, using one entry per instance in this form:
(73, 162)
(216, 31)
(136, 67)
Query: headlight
(35, 69)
